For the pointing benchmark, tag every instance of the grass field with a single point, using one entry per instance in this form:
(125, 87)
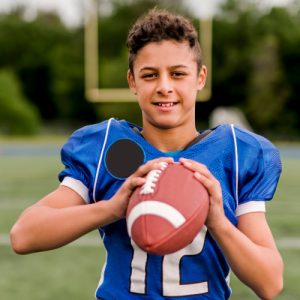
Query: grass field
(72, 272)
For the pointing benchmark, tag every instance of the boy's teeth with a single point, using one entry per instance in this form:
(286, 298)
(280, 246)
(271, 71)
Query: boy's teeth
(165, 104)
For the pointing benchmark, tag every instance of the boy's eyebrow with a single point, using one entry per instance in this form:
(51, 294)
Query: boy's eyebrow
(147, 69)
(179, 66)
(154, 69)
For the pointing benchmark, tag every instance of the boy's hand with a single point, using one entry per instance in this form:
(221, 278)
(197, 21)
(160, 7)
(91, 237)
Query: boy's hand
(119, 201)
(216, 214)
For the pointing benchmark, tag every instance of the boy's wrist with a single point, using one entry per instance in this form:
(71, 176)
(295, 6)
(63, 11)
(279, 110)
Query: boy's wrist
(219, 228)
(106, 213)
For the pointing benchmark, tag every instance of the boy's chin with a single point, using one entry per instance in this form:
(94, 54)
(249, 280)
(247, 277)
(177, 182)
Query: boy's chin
(166, 124)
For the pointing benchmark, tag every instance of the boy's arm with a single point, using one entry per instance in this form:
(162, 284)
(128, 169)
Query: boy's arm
(62, 216)
(251, 252)
(249, 248)
(58, 219)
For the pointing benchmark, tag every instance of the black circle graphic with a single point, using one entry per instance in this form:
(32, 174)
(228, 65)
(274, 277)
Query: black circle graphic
(123, 157)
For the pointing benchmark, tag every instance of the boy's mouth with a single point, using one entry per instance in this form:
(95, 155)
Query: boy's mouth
(165, 104)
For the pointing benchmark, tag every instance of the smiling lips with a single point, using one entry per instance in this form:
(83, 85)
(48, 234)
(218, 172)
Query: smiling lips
(165, 104)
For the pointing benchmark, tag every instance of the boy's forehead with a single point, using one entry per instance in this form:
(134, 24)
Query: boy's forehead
(166, 52)
(166, 45)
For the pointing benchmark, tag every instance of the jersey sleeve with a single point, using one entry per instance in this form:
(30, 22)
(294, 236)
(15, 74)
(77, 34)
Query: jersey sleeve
(259, 168)
(79, 156)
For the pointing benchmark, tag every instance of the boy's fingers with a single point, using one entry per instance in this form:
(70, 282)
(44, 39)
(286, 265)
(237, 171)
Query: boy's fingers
(212, 185)
(196, 167)
(135, 182)
(152, 165)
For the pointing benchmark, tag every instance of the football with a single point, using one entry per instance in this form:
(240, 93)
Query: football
(168, 211)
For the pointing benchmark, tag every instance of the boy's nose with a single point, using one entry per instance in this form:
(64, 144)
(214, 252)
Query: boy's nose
(164, 86)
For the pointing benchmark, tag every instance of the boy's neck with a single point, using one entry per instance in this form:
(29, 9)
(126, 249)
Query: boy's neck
(169, 140)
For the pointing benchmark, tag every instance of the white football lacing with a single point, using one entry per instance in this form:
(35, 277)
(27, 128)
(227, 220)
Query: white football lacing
(151, 179)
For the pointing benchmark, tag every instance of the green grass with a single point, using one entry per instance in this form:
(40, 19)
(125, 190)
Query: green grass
(67, 273)
(73, 272)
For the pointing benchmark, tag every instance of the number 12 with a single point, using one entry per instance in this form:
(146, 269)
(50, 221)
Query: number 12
(171, 285)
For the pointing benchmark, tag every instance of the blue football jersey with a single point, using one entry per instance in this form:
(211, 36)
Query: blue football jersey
(247, 166)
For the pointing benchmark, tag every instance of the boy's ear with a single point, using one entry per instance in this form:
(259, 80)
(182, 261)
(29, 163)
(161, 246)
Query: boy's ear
(131, 82)
(202, 78)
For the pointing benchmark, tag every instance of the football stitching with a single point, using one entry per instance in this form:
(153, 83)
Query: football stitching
(151, 179)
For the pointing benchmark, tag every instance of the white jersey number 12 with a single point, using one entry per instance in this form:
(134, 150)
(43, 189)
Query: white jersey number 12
(170, 270)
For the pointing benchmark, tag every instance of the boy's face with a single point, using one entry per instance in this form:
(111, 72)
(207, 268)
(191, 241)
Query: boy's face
(166, 83)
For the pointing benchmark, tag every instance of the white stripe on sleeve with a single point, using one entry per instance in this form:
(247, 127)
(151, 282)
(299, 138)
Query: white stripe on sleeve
(249, 207)
(78, 187)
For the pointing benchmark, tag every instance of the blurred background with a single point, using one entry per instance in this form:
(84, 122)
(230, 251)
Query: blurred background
(255, 62)
(255, 82)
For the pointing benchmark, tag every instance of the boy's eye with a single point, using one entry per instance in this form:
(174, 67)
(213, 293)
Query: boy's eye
(178, 74)
(149, 75)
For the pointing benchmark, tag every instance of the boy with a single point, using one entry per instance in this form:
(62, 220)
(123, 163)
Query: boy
(106, 161)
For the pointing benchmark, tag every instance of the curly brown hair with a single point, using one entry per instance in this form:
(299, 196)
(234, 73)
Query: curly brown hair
(159, 25)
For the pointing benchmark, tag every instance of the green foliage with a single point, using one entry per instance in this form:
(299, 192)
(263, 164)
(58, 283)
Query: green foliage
(255, 57)
(48, 59)
(267, 93)
(17, 115)
(129, 111)
(231, 58)
(113, 71)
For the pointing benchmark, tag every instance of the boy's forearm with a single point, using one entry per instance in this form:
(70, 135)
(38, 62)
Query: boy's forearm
(257, 266)
(43, 228)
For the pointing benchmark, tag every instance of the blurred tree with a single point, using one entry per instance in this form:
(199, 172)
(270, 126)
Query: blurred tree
(25, 48)
(254, 63)
(48, 59)
(232, 49)
(267, 93)
(17, 115)
(287, 37)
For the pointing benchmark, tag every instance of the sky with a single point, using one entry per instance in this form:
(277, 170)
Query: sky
(210, 6)
(71, 11)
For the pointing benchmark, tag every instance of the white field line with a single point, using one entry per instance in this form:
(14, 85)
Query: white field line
(13, 206)
(16, 204)
(82, 242)
(292, 243)
(289, 243)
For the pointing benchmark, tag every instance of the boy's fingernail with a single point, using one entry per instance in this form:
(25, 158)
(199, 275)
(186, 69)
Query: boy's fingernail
(186, 162)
